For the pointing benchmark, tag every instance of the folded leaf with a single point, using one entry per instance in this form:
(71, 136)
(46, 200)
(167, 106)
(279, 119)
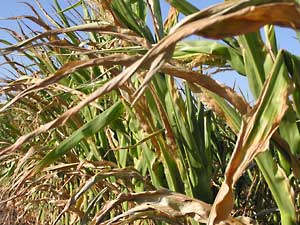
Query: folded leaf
(257, 129)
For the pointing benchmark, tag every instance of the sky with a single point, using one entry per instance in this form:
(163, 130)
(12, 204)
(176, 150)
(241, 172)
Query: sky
(286, 37)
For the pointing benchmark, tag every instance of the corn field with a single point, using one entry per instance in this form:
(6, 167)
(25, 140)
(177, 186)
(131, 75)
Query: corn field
(110, 114)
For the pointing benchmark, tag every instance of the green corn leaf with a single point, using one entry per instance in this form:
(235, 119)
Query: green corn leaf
(290, 131)
(293, 65)
(271, 41)
(139, 7)
(85, 131)
(218, 52)
(258, 65)
(279, 185)
(130, 19)
(158, 18)
(183, 6)
(70, 7)
(254, 60)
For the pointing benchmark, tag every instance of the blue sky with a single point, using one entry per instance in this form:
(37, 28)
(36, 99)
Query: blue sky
(286, 37)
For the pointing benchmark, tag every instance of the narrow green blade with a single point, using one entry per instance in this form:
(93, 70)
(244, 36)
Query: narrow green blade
(85, 131)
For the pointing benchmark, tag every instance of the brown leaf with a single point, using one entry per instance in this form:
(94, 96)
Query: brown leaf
(70, 68)
(167, 205)
(207, 24)
(257, 128)
(171, 19)
(170, 203)
(103, 28)
(210, 84)
(38, 21)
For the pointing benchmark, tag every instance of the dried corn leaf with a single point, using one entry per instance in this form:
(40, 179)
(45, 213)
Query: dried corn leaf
(71, 67)
(235, 18)
(170, 203)
(104, 28)
(257, 128)
(168, 206)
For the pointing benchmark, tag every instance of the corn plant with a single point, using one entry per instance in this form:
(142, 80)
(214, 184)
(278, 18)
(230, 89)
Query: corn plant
(111, 115)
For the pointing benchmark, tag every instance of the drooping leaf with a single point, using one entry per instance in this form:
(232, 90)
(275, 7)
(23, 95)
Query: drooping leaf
(256, 131)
